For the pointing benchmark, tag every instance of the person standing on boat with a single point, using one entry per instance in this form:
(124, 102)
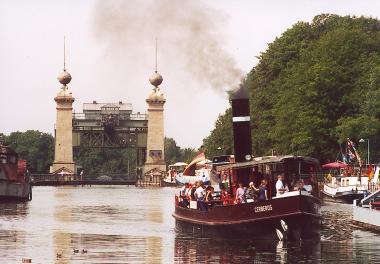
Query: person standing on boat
(191, 192)
(251, 192)
(209, 198)
(224, 196)
(200, 195)
(225, 182)
(281, 186)
(183, 192)
(263, 190)
(307, 185)
(240, 194)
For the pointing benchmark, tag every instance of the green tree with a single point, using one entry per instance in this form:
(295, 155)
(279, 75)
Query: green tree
(220, 141)
(36, 147)
(174, 153)
(315, 85)
(97, 161)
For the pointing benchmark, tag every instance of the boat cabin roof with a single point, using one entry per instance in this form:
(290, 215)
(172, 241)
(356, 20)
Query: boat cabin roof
(266, 159)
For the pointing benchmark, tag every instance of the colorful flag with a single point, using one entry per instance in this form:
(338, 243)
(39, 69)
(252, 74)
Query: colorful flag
(190, 169)
(344, 155)
(370, 172)
(351, 145)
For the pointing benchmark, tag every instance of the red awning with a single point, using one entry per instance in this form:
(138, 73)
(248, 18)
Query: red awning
(334, 165)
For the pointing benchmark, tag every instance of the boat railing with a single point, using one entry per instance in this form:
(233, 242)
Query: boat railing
(292, 193)
(373, 187)
(219, 201)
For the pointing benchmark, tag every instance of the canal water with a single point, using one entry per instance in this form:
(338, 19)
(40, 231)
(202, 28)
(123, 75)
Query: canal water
(118, 224)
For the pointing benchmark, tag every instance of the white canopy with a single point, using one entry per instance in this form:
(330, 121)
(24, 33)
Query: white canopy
(203, 162)
(179, 164)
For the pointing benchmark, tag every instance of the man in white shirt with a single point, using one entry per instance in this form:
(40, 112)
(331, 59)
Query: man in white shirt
(281, 187)
(200, 192)
(200, 195)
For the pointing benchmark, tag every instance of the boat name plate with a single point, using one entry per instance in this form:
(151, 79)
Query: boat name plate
(263, 208)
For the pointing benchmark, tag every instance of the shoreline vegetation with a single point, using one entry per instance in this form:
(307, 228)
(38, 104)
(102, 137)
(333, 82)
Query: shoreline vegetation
(38, 149)
(315, 85)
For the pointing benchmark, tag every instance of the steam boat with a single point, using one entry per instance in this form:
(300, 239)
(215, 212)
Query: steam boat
(14, 180)
(293, 214)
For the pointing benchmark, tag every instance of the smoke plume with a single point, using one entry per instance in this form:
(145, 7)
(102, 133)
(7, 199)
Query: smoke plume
(240, 92)
(190, 37)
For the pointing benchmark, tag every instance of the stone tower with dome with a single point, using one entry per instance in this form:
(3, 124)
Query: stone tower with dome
(155, 160)
(63, 151)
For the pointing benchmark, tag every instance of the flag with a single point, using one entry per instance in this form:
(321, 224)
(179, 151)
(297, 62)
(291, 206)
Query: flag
(370, 172)
(344, 155)
(351, 156)
(190, 169)
(355, 153)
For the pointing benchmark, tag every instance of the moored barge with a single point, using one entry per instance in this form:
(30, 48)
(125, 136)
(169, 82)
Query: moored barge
(14, 179)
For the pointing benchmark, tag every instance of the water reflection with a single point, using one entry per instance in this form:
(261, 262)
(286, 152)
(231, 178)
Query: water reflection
(198, 250)
(13, 209)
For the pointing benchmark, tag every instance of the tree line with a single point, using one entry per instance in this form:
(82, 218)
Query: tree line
(38, 149)
(315, 86)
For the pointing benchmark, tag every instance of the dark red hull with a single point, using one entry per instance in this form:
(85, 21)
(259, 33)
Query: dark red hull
(260, 219)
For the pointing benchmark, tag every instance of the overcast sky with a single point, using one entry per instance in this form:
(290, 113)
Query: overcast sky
(110, 54)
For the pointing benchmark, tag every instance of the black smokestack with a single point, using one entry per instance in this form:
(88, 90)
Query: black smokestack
(241, 123)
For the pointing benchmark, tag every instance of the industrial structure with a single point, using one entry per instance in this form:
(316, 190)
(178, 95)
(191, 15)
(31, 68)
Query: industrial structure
(111, 125)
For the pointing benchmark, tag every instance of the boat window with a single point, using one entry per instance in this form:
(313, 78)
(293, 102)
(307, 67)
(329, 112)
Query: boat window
(3, 158)
(12, 159)
(278, 167)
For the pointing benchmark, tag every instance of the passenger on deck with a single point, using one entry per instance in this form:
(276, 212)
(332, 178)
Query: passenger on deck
(250, 193)
(224, 196)
(240, 195)
(263, 190)
(209, 198)
(281, 186)
(191, 192)
(303, 185)
(307, 186)
(183, 195)
(299, 185)
(225, 182)
(200, 195)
